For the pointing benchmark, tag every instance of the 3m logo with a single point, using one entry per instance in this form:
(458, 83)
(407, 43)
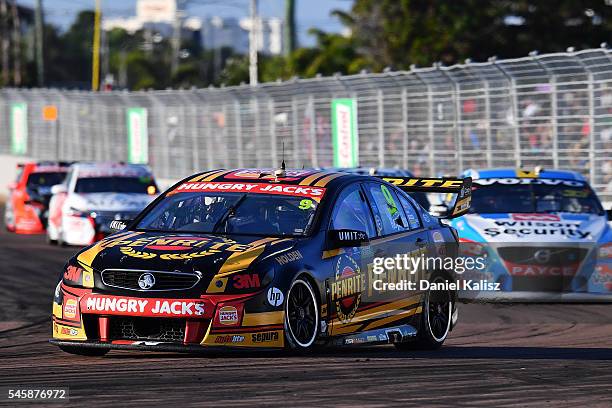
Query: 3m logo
(73, 273)
(246, 281)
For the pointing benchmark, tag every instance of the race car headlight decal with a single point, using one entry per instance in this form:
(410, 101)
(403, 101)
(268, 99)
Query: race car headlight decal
(472, 248)
(605, 251)
(57, 296)
(73, 212)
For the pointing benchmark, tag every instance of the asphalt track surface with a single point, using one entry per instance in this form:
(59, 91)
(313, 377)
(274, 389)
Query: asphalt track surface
(499, 355)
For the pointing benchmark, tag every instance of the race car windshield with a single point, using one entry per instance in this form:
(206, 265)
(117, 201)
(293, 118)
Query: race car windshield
(45, 179)
(533, 198)
(232, 213)
(115, 184)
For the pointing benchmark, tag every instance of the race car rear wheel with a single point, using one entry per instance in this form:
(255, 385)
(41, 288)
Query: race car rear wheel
(301, 316)
(49, 240)
(85, 351)
(436, 319)
(60, 239)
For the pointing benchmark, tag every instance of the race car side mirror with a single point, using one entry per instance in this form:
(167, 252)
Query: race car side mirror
(58, 189)
(117, 225)
(609, 214)
(345, 238)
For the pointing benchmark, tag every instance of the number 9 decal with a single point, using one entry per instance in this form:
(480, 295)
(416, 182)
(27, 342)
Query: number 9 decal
(306, 204)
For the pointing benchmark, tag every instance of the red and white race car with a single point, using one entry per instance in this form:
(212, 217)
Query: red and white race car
(28, 201)
(93, 195)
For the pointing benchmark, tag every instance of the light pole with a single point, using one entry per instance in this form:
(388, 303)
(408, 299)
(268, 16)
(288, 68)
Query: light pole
(95, 69)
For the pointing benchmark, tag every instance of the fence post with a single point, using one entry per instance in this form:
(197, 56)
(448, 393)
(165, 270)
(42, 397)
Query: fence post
(592, 163)
(381, 128)
(313, 131)
(487, 106)
(274, 148)
(404, 99)
(591, 93)
(554, 119)
(430, 123)
(195, 148)
(295, 131)
(256, 129)
(515, 113)
(457, 120)
(208, 138)
(238, 125)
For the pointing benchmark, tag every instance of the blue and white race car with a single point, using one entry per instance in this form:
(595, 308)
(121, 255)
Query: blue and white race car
(544, 233)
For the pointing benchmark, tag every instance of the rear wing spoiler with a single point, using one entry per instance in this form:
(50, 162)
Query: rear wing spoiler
(461, 187)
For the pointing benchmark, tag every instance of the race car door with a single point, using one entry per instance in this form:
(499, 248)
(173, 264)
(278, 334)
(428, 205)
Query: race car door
(400, 232)
(349, 265)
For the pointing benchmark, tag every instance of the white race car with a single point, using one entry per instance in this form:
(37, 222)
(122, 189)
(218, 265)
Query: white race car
(93, 195)
(544, 234)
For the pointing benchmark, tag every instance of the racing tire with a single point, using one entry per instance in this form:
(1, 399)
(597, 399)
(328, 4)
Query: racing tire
(436, 319)
(302, 319)
(50, 241)
(60, 239)
(85, 351)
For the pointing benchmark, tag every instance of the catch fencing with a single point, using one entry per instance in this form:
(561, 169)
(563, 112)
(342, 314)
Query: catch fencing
(551, 110)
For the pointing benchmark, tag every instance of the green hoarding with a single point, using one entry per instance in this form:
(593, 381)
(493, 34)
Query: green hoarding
(138, 135)
(19, 128)
(344, 132)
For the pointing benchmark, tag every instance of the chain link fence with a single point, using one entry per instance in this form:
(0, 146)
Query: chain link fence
(552, 110)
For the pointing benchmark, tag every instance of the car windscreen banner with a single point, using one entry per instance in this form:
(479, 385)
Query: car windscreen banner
(315, 193)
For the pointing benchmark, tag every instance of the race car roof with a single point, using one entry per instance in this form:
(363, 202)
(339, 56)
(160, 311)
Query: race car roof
(309, 183)
(111, 169)
(377, 171)
(302, 177)
(523, 173)
(46, 166)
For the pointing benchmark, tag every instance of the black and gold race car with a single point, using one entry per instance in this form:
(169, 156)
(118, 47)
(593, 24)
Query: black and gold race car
(260, 258)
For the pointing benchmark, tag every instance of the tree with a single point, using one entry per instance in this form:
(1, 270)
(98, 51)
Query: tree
(236, 71)
(398, 33)
(554, 26)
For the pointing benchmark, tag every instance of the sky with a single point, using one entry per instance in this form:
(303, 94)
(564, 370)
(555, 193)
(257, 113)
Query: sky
(309, 13)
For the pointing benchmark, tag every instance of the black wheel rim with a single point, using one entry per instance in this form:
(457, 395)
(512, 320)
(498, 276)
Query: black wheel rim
(301, 312)
(438, 313)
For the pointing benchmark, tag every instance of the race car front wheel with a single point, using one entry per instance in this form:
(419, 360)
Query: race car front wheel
(84, 351)
(301, 316)
(436, 319)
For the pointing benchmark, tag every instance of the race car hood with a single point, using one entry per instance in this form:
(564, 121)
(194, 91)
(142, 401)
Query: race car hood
(537, 228)
(208, 254)
(111, 201)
